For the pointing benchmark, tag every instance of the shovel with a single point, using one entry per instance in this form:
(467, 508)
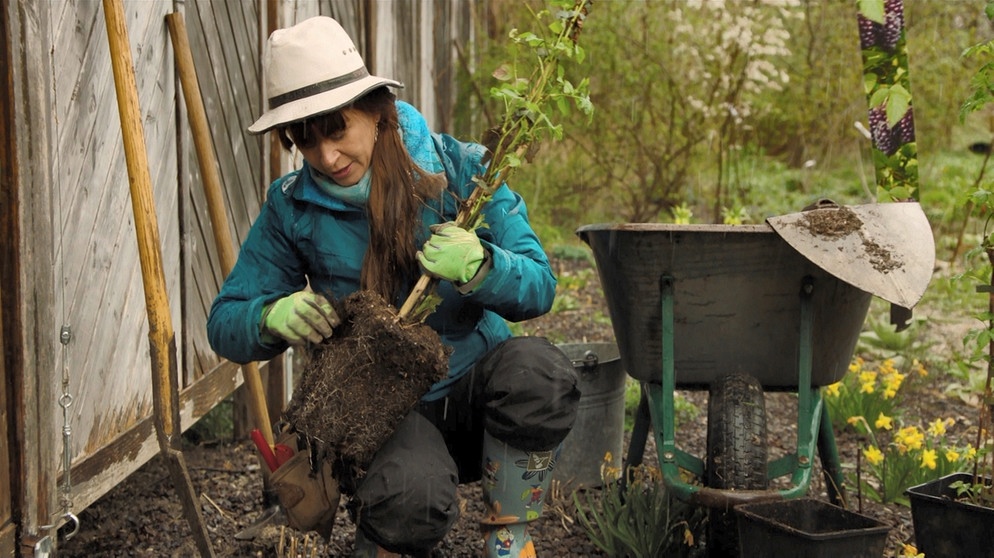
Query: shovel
(885, 249)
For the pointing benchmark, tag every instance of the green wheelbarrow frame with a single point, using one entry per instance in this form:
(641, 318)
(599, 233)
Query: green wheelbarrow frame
(814, 428)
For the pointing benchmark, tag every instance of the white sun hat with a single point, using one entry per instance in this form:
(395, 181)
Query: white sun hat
(312, 68)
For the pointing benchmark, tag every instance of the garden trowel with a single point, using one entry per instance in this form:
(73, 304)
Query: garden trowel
(885, 249)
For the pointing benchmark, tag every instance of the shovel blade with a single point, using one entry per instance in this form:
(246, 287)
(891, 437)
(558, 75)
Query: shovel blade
(885, 249)
(271, 516)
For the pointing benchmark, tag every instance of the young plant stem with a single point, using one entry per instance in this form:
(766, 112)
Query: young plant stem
(515, 138)
(983, 466)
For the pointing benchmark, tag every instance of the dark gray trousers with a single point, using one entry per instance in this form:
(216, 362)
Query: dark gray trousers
(524, 393)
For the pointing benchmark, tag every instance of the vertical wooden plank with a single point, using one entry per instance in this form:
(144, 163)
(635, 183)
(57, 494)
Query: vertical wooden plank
(275, 375)
(439, 17)
(8, 423)
(27, 303)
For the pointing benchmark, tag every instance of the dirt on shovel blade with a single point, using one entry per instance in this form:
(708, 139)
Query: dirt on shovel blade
(357, 386)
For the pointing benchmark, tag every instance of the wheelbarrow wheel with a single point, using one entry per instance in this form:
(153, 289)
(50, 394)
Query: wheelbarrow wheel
(736, 452)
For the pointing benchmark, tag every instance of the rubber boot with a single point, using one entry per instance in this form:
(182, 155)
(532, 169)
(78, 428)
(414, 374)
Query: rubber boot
(514, 486)
(365, 548)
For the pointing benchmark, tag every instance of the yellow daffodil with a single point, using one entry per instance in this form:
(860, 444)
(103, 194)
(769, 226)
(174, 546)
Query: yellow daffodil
(856, 365)
(866, 388)
(853, 420)
(918, 368)
(884, 422)
(910, 551)
(887, 367)
(928, 459)
(873, 455)
(867, 377)
(937, 428)
(910, 437)
(952, 456)
(832, 390)
(892, 382)
(971, 452)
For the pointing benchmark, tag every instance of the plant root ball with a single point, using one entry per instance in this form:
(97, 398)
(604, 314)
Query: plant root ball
(357, 386)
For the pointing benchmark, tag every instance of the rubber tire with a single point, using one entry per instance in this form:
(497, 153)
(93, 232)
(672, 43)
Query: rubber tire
(736, 452)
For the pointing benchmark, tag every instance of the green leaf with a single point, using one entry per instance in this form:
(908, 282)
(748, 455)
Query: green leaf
(900, 193)
(897, 104)
(869, 82)
(879, 96)
(585, 105)
(872, 10)
(503, 72)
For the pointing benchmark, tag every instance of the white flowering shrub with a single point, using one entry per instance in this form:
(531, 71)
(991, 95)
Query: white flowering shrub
(673, 84)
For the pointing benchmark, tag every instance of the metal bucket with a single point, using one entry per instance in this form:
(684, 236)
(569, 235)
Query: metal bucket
(600, 417)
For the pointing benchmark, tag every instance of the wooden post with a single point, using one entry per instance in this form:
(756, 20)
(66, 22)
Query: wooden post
(160, 331)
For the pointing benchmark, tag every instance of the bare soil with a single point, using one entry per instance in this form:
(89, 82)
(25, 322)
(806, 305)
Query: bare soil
(143, 517)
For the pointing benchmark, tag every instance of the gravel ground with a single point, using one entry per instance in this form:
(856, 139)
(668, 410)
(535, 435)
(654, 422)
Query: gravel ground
(142, 516)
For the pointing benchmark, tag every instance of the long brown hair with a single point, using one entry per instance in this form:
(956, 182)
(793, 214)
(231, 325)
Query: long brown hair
(398, 188)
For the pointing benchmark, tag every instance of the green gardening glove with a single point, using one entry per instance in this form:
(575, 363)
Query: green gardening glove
(300, 318)
(452, 253)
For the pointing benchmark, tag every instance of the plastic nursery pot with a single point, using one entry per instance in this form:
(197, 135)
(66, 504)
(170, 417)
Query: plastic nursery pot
(807, 528)
(946, 527)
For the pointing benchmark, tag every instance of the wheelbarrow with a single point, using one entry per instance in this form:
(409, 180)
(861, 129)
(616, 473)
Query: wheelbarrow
(741, 310)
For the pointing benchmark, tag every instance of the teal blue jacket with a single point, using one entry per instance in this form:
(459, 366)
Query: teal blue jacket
(302, 234)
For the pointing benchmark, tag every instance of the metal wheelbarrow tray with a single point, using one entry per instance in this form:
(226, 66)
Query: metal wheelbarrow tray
(736, 303)
(782, 303)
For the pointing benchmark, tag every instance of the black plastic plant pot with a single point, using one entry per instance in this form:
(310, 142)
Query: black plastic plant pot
(946, 527)
(808, 528)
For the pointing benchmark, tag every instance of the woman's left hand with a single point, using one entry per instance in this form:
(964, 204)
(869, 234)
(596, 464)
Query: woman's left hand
(452, 253)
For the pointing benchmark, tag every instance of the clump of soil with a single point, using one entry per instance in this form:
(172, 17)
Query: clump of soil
(834, 223)
(842, 222)
(357, 386)
(880, 257)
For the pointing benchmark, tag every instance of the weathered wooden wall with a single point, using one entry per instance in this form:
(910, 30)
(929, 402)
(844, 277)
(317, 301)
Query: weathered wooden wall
(70, 254)
(75, 262)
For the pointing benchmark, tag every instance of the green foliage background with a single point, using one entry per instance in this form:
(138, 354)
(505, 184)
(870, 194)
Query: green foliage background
(646, 153)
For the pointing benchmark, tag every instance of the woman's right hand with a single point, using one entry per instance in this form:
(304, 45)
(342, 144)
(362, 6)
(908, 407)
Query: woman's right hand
(303, 317)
